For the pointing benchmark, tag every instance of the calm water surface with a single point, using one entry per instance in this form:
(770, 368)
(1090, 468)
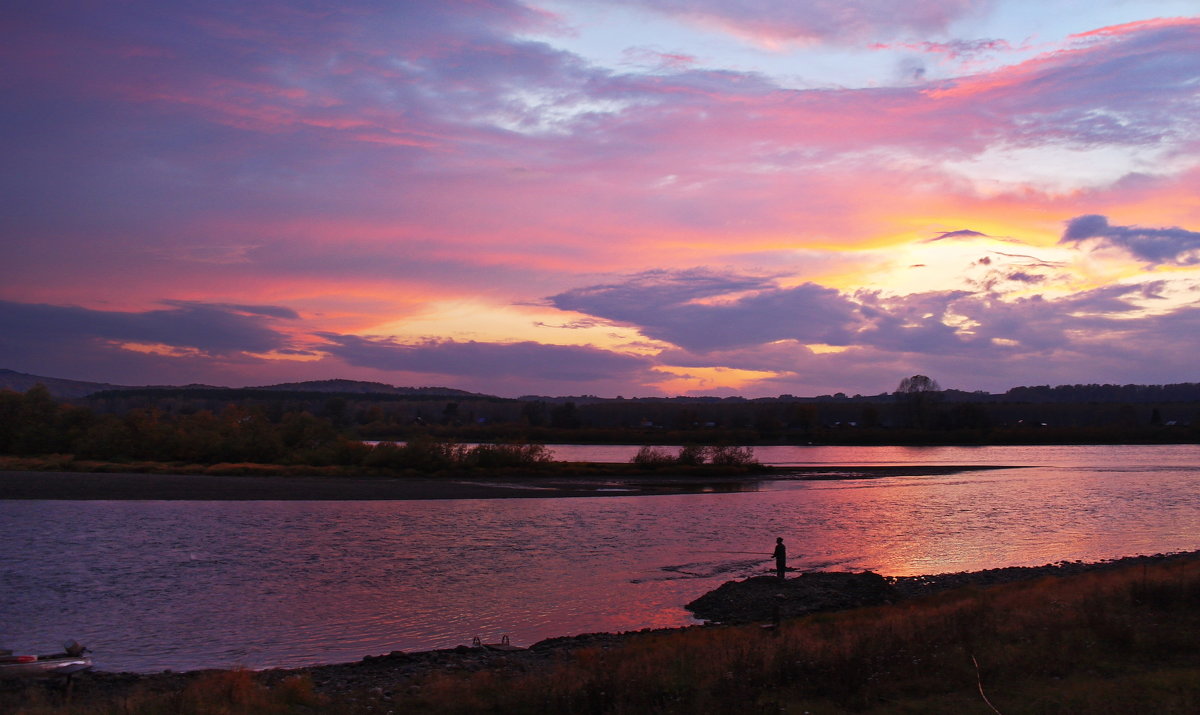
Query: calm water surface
(152, 585)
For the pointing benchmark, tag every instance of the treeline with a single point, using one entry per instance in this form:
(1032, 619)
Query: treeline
(205, 425)
(591, 419)
(33, 423)
(923, 418)
(1134, 394)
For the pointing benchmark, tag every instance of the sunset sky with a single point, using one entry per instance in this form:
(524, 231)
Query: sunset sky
(635, 197)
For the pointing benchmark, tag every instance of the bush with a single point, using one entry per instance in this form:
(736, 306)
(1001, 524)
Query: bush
(692, 454)
(428, 455)
(729, 455)
(653, 457)
(491, 456)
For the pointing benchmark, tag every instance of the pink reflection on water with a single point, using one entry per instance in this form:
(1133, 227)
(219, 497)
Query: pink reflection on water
(152, 585)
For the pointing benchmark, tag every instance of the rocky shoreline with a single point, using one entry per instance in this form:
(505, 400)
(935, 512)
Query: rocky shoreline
(765, 598)
(382, 678)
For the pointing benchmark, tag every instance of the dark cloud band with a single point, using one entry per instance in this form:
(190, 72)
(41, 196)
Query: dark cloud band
(1152, 245)
(476, 359)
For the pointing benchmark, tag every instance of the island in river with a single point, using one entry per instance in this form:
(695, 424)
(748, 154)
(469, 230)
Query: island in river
(558, 479)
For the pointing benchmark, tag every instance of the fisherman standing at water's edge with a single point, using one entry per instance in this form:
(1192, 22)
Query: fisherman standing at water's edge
(780, 555)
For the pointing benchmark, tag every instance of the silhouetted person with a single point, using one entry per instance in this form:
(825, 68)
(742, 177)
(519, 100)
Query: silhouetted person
(780, 555)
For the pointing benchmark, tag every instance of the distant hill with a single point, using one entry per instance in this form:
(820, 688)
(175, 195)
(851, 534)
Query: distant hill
(358, 387)
(1042, 394)
(74, 389)
(58, 387)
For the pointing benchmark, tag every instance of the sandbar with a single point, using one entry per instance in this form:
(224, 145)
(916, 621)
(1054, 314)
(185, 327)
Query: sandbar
(88, 486)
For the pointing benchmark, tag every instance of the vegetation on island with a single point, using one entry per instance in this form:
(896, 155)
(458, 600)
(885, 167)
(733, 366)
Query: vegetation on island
(693, 454)
(39, 433)
(1120, 640)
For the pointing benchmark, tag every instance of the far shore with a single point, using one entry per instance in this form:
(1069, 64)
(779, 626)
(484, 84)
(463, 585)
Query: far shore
(604, 480)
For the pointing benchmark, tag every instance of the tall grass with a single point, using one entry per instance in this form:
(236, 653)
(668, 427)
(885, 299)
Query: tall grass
(1056, 645)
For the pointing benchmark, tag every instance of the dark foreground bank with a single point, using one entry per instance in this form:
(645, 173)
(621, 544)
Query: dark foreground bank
(575, 480)
(766, 598)
(1116, 637)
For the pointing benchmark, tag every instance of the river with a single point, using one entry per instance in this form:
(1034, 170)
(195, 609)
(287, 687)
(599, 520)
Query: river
(150, 585)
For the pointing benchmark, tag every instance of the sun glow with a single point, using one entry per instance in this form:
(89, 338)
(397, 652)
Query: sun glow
(174, 351)
(481, 321)
(821, 349)
(700, 379)
(285, 356)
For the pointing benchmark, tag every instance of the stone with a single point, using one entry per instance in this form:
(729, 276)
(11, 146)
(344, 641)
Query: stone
(763, 598)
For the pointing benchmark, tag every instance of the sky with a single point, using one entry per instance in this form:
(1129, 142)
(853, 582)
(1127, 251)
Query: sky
(636, 197)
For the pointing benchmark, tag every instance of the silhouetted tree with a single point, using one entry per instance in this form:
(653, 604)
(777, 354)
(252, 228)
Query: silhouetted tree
(36, 423)
(534, 413)
(302, 432)
(334, 410)
(565, 416)
(968, 415)
(918, 396)
(917, 384)
(109, 438)
(870, 417)
(766, 420)
(686, 418)
(10, 410)
(801, 417)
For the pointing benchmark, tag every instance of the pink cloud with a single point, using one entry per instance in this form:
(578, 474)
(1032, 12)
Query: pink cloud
(1139, 26)
(388, 155)
(839, 20)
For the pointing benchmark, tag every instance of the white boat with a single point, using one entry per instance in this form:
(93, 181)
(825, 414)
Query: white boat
(73, 659)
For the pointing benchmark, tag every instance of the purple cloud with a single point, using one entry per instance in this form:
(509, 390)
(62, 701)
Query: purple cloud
(215, 329)
(412, 112)
(1008, 341)
(911, 324)
(185, 343)
(1155, 246)
(702, 310)
(961, 233)
(954, 49)
(747, 323)
(487, 360)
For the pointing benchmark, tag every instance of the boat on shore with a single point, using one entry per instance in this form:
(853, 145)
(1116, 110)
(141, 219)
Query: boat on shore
(73, 659)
